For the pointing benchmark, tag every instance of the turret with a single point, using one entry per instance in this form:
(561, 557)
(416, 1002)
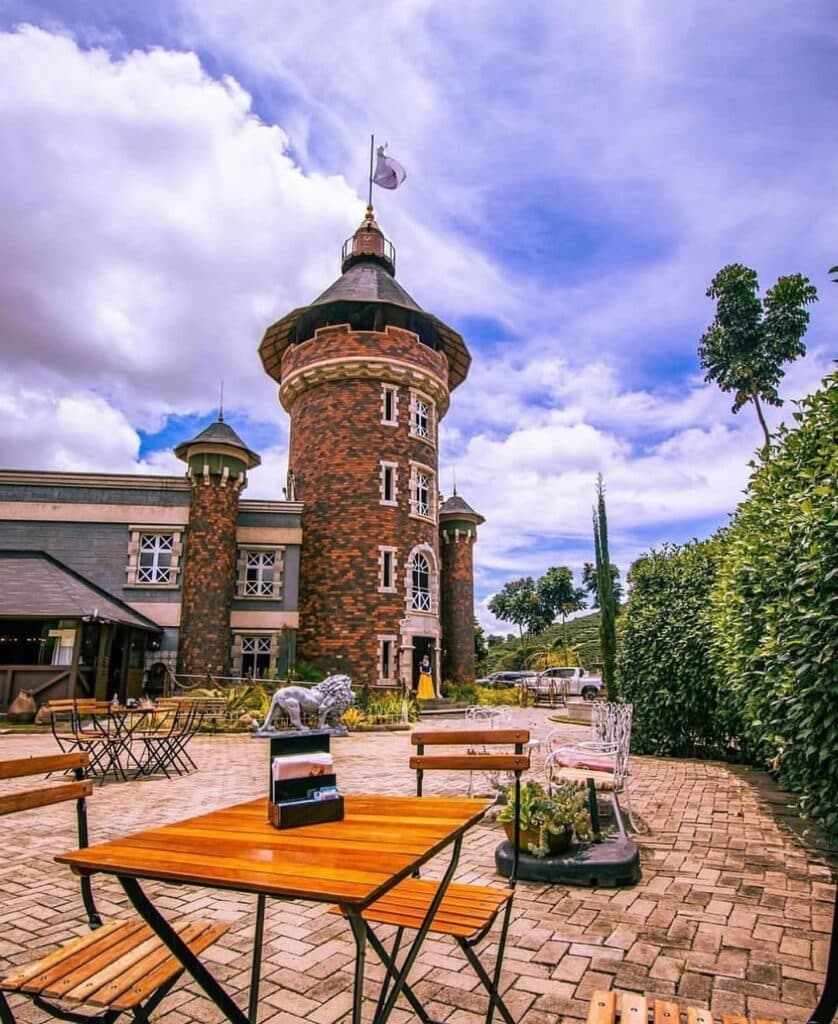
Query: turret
(217, 463)
(458, 524)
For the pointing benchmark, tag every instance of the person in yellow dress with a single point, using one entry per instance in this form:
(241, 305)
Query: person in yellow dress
(425, 690)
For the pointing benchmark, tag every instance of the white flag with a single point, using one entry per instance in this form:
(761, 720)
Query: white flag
(389, 173)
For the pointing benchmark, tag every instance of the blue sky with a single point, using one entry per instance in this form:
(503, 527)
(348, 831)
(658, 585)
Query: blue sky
(176, 175)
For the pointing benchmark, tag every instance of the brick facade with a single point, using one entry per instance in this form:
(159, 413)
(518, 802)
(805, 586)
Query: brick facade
(457, 605)
(337, 446)
(209, 578)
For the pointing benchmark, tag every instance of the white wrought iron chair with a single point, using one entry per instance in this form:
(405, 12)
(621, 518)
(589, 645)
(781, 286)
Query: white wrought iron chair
(600, 763)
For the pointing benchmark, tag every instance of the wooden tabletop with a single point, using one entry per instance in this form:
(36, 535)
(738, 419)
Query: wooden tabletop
(380, 841)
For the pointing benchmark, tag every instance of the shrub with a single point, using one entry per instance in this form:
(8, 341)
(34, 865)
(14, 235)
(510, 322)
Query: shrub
(667, 660)
(462, 693)
(775, 608)
(488, 697)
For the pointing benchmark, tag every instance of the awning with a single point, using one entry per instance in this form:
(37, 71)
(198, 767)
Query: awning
(34, 585)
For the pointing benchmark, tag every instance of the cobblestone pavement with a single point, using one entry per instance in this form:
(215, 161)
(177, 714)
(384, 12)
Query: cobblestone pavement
(733, 911)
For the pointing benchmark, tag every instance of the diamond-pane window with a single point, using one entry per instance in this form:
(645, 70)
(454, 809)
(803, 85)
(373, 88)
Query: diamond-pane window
(256, 655)
(423, 494)
(259, 573)
(421, 418)
(154, 561)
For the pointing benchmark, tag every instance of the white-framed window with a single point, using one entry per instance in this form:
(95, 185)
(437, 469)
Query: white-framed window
(389, 405)
(421, 416)
(422, 491)
(256, 654)
(389, 483)
(386, 658)
(386, 570)
(154, 556)
(260, 572)
(420, 583)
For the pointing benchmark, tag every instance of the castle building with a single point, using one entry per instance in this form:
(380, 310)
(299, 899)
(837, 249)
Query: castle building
(362, 569)
(366, 377)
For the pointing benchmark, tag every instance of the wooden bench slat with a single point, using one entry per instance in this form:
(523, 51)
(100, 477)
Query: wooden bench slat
(698, 1015)
(453, 737)
(603, 1007)
(470, 762)
(81, 955)
(634, 1008)
(665, 1012)
(13, 982)
(20, 767)
(13, 802)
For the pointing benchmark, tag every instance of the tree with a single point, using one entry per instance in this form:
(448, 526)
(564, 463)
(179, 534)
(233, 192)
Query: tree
(607, 616)
(744, 348)
(518, 602)
(833, 270)
(481, 647)
(591, 584)
(559, 596)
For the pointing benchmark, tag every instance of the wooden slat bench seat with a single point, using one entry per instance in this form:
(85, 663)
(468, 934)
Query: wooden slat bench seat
(121, 967)
(613, 1007)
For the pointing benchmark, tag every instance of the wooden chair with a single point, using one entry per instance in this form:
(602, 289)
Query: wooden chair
(120, 967)
(83, 724)
(612, 1007)
(467, 912)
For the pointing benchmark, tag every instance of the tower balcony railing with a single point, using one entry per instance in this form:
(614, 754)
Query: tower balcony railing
(369, 243)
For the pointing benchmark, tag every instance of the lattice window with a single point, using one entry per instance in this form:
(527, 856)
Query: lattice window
(154, 562)
(421, 417)
(420, 583)
(256, 655)
(422, 489)
(260, 572)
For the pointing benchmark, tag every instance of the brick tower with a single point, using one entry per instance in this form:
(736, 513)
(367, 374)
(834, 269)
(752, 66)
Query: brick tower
(365, 374)
(458, 524)
(217, 461)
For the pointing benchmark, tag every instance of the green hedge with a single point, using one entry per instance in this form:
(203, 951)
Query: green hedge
(667, 660)
(775, 609)
(730, 645)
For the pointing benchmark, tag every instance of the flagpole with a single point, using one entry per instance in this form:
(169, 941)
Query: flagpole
(372, 144)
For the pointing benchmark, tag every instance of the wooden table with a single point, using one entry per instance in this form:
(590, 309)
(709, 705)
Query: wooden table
(381, 841)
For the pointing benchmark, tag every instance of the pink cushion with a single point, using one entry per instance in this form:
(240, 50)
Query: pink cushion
(585, 759)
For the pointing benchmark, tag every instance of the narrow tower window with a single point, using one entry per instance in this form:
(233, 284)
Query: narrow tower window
(386, 569)
(386, 649)
(389, 405)
(388, 483)
(421, 417)
(422, 491)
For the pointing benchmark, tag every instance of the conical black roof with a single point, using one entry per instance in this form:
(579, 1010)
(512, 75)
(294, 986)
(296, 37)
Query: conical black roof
(367, 297)
(219, 433)
(456, 508)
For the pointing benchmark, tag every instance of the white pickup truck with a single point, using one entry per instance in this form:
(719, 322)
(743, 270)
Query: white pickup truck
(557, 684)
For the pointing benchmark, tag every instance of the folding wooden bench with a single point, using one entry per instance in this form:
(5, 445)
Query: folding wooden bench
(120, 967)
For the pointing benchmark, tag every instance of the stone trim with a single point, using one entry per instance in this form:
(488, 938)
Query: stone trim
(385, 370)
(246, 621)
(150, 516)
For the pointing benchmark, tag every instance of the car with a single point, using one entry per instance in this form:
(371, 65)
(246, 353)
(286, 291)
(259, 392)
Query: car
(503, 680)
(567, 680)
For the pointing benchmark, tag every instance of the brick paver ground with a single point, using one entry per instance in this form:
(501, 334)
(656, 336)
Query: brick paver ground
(733, 911)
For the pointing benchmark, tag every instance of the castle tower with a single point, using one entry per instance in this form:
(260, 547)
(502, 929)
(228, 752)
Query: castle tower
(458, 524)
(365, 374)
(217, 461)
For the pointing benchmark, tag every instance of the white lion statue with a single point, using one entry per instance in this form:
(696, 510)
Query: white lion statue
(328, 700)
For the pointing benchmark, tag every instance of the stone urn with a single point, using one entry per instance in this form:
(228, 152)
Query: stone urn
(557, 842)
(23, 708)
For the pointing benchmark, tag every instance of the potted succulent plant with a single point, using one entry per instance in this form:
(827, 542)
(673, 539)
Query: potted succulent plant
(549, 818)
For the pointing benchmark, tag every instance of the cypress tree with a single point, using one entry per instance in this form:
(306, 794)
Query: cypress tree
(608, 611)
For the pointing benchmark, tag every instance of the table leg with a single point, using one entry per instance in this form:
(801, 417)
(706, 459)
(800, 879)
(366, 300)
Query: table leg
(359, 933)
(399, 975)
(173, 942)
(256, 966)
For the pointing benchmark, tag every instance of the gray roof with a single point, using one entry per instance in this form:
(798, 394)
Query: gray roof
(34, 585)
(367, 281)
(219, 433)
(456, 508)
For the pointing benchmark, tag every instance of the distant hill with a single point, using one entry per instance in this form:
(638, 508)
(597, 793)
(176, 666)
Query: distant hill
(582, 633)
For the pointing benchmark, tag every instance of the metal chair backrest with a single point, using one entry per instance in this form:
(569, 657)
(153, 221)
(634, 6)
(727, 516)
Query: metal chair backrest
(472, 739)
(611, 726)
(43, 795)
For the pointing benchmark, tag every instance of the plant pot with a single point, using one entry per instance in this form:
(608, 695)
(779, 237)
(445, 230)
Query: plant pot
(556, 842)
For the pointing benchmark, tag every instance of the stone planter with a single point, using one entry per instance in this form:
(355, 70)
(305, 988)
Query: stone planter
(556, 842)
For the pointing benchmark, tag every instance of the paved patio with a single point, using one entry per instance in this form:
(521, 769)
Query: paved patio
(733, 910)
